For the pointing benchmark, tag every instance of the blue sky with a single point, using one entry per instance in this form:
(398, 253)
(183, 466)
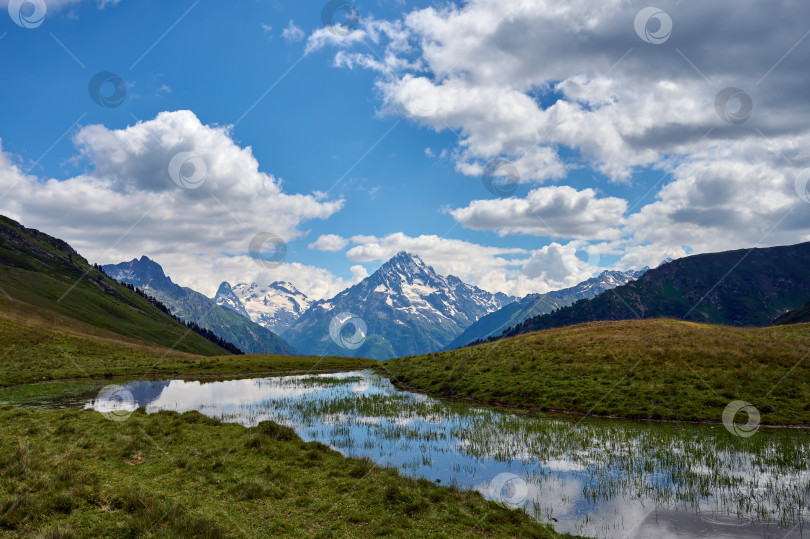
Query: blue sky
(635, 164)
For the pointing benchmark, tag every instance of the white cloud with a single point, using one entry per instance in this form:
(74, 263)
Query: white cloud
(561, 212)
(558, 266)
(358, 273)
(268, 30)
(534, 82)
(329, 242)
(127, 205)
(326, 37)
(292, 33)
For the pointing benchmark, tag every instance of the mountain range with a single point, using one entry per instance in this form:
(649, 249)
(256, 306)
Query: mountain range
(747, 287)
(511, 315)
(404, 308)
(407, 309)
(276, 306)
(193, 306)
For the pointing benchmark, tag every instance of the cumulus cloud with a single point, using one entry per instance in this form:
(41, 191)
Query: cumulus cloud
(329, 242)
(128, 203)
(561, 212)
(559, 266)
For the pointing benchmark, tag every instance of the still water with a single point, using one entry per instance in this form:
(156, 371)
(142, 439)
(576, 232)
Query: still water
(596, 478)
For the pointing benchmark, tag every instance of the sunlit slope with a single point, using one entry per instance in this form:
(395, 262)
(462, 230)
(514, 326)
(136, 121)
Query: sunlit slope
(656, 369)
(46, 272)
(37, 344)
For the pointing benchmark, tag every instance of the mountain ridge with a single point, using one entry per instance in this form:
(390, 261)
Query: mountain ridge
(507, 317)
(193, 306)
(406, 306)
(744, 287)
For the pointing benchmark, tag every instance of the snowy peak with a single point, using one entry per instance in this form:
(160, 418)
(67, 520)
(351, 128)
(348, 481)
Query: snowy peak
(226, 298)
(276, 306)
(410, 285)
(408, 309)
(404, 264)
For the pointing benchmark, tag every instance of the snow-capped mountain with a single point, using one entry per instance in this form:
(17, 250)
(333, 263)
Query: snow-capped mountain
(513, 314)
(191, 305)
(406, 307)
(226, 298)
(276, 306)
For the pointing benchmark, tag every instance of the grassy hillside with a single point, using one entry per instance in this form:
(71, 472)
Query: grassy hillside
(73, 473)
(737, 288)
(46, 272)
(656, 369)
(796, 316)
(37, 344)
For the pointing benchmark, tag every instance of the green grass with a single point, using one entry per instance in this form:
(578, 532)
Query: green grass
(74, 473)
(650, 369)
(45, 272)
(38, 345)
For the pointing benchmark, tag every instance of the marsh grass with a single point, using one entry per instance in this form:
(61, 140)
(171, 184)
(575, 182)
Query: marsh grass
(172, 475)
(698, 468)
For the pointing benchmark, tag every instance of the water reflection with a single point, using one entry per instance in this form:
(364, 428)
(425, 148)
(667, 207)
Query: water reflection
(595, 478)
